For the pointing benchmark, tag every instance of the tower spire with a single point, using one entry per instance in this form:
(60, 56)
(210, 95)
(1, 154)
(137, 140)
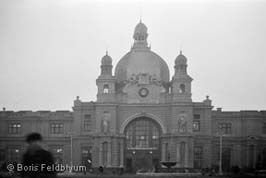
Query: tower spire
(106, 50)
(140, 13)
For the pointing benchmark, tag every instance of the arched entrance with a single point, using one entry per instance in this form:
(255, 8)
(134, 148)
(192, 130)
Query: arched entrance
(142, 144)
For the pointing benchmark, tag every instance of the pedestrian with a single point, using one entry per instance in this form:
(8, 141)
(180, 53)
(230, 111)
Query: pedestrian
(101, 169)
(37, 158)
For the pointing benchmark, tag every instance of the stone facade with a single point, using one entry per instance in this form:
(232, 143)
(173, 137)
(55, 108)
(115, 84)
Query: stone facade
(141, 119)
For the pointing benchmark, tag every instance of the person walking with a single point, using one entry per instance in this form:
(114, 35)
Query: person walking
(37, 161)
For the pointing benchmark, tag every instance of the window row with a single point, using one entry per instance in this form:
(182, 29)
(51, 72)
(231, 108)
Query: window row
(14, 153)
(54, 128)
(58, 128)
(16, 128)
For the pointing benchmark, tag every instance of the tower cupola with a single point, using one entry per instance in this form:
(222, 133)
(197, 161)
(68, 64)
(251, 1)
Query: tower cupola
(106, 66)
(106, 81)
(181, 64)
(140, 36)
(181, 82)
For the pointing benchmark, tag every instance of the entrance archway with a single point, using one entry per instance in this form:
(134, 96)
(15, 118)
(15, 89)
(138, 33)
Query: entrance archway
(142, 144)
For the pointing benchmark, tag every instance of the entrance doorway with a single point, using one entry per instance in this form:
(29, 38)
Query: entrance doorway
(142, 160)
(226, 159)
(142, 145)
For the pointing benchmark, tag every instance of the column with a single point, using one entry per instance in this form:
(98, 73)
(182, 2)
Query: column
(178, 153)
(163, 152)
(255, 155)
(236, 155)
(178, 158)
(101, 155)
(186, 163)
(121, 154)
(109, 152)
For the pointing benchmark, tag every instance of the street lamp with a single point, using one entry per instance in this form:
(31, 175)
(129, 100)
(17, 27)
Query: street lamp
(71, 150)
(152, 163)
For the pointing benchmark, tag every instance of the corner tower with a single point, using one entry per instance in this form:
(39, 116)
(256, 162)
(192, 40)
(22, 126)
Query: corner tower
(106, 81)
(181, 81)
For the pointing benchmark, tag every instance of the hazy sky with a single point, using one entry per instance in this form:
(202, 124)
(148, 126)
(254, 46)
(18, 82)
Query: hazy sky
(50, 51)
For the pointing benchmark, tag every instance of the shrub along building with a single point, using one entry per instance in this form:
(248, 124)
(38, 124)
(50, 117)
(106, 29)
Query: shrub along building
(141, 118)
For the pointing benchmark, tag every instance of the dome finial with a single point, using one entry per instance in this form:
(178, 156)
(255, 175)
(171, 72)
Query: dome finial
(181, 48)
(181, 59)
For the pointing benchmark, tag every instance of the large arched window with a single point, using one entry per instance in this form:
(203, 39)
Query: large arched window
(142, 133)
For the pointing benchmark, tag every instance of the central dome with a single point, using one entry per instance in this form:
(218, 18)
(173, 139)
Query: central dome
(141, 60)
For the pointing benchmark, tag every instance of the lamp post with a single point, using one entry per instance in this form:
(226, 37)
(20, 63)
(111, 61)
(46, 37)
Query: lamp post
(151, 153)
(134, 162)
(71, 150)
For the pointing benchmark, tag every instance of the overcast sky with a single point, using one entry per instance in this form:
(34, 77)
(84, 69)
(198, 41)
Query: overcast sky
(50, 51)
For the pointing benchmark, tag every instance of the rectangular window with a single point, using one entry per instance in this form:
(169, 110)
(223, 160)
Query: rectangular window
(118, 153)
(198, 157)
(196, 116)
(14, 128)
(264, 128)
(2, 155)
(225, 128)
(57, 151)
(196, 126)
(57, 128)
(87, 123)
(86, 156)
(226, 158)
(13, 154)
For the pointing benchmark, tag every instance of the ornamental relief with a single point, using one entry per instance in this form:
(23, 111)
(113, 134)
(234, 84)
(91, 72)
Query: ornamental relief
(142, 87)
(143, 79)
(140, 80)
